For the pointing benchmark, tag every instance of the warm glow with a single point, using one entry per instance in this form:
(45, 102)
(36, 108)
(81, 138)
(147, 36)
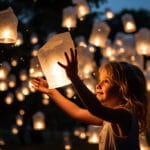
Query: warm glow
(19, 120)
(3, 86)
(38, 121)
(8, 25)
(93, 138)
(6, 34)
(130, 27)
(14, 130)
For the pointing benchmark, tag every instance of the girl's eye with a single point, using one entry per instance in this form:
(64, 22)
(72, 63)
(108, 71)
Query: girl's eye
(104, 81)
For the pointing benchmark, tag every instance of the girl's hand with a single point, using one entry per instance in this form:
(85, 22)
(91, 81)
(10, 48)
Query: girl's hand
(72, 64)
(40, 84)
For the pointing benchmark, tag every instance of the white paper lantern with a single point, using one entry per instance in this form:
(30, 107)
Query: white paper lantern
(93, 134)
(100, 32)
(50, 54)
(35, 68)
(69, 17)
(82, 9)
(128, 23)
(8, 26)
(38, 121)
(143, 41)
(109, 14)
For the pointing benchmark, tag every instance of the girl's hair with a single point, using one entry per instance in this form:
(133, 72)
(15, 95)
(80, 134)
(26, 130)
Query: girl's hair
(132, 87)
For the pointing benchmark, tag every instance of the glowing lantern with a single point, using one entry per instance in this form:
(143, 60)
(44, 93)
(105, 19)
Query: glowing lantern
(109, 14)
(82, 9)
(19, 120)
(86, 64)
(9, 98)
(69, 17)
(38, 121)
(93, 134)
(11, 80)
(19, 39)
(3, 85)
(23, 75)
(8, 26)
(99, 33)
(50, 54)
(109, 51)
(4, 70)
(34, 38)
(14, 130)
(19, 95)
(35, 68)
(128, 23)
(143, 41)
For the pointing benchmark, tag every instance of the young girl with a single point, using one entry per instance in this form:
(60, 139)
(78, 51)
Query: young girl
(119, 104)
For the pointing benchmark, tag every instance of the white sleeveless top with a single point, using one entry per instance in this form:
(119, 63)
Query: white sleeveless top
(108, 140)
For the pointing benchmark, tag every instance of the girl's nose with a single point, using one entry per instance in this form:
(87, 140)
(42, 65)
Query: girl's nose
(98, 86)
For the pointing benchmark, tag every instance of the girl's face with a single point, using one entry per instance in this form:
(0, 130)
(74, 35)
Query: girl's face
(106, 90)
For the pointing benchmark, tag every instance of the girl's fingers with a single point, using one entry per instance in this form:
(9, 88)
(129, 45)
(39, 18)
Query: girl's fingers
(62, 65)
(67, 57)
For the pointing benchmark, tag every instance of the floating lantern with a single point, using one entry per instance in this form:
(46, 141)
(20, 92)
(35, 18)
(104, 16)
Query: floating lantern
(23, 75)
(9, 98)
(50, 54)
(14, 130)
(8, 26)
(82, 9)
(4, 70)
(100, 32)
(109, 51)
(86, 65)
(69, 17)
(19, 120)
(34, 38)
(19, 40)
(3, 85)
(93, 134)
(35, 68)
(128, 23)
(11, 80)
(109, 14)
(143, 41)
(38, 121)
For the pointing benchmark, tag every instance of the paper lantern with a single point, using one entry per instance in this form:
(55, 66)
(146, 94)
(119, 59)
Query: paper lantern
(143, 41)
(82, 9)
(35, 68)
(69, 17)
(8, 26)
(9, 98)
(38, 121)
(128, 23)
(93, 134)
(100, 32)
(4, 70)
(109, 14)
(19, 120)
(50, 54)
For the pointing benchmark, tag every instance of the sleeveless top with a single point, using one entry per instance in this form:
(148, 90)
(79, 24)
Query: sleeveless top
(108, 140)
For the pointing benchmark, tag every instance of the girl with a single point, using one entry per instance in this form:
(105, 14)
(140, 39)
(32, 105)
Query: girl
(119, 104)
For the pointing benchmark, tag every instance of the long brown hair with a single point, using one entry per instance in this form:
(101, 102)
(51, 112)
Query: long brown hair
(132, 87)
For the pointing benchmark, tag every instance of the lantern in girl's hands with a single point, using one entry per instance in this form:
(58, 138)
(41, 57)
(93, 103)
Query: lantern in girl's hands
(50, 54)
(8, 26)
